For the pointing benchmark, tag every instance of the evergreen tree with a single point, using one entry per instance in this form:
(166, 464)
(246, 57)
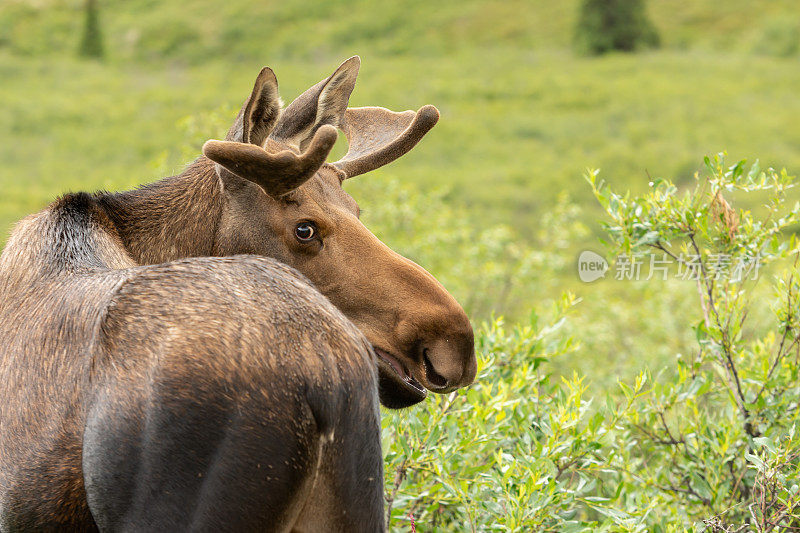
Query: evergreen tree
(605, 25)
(92, 40)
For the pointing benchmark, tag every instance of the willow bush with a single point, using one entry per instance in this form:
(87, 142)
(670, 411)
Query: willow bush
(705, 444)
(520, 450)
(715, 443)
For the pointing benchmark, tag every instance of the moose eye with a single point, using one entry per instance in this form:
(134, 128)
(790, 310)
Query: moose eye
(305, 231)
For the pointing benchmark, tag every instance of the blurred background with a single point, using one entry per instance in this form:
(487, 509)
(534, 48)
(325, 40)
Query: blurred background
(110, 94)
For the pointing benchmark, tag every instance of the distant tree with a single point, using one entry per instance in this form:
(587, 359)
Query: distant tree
(92, 40)
(606, 25)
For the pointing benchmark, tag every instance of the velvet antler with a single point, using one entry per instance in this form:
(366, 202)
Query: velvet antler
(263, 143)
(277, 173)
(377, 136)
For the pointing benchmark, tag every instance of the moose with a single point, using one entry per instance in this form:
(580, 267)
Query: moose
(208, 351)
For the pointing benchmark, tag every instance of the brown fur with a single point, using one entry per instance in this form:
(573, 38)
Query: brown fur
(146, 385)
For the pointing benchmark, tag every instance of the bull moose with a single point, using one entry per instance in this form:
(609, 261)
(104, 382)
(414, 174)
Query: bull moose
(207, 352)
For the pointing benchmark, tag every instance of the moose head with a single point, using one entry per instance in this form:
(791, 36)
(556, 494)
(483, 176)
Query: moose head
(283, 200)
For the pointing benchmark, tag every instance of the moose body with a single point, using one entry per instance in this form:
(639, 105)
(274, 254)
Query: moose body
(166, 403)
(152, 377)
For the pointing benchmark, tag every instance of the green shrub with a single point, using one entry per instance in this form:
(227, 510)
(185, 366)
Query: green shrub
(780, 37)
(706, 443)
(714, 442)
(519, 450)
(606, 25)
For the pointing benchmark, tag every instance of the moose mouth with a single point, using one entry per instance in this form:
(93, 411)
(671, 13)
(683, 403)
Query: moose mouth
(397, 387)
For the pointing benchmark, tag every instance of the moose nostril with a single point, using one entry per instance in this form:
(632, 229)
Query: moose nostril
(434, 378)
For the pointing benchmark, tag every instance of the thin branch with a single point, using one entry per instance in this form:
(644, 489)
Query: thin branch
(734, 384)
(787, 328)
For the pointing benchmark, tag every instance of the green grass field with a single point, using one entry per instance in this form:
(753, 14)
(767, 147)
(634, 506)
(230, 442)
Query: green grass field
(523, 117)
(518, 127)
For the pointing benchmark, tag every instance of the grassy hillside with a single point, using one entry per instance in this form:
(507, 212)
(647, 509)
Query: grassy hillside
(523, 116)
(237, 29)
(517, 127)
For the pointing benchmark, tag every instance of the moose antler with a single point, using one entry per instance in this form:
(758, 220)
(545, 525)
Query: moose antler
(377, 136)
(263, 144)
(276, 172)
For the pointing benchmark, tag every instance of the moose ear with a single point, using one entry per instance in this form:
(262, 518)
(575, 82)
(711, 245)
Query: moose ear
(260, 112)
(324, 103)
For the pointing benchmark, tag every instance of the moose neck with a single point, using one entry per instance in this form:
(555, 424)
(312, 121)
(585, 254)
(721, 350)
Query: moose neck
(170, 219)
